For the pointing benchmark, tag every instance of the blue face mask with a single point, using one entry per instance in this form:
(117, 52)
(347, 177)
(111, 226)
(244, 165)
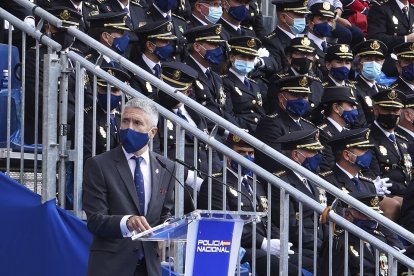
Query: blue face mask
(297, 107)
(102, 101)
(323, 29)
(214, 14)
(299, 25)
(166, 5)
(214, 56)
(312, 163)
(363, 161)
(407, 72)
(350, 116)
(244, 171)
(371, 70)
(340, 73)
(132, 140)
(165, 52)
(243, 67)
(239, 13)
(369, 225)
(120, 44)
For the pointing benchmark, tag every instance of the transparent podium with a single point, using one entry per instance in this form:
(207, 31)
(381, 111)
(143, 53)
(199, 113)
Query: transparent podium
(212, 237)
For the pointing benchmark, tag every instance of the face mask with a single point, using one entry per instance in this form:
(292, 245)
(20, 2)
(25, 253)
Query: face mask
(63, 38)
(214, 56)
(323, 29)
(371, 70)
(214, 14)
(120, 44)
(350, 116)
(163, 53)
(244, 171)
(312, 163)
(388, 121)
(243, 67)
(298, 26)
(166, 100)
(369, 225)
(297, 107)
(340, 73)
(239, 13)
(166, 5)
(132, 140)
(301, 65)
(407, 72)
(102, 101)
(363, 161)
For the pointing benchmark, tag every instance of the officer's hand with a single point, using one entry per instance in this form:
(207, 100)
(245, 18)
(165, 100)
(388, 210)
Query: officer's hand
(410, 37)
(263, 52)
(382, 185)
(344, 22)
(137, 223)
(275, 247)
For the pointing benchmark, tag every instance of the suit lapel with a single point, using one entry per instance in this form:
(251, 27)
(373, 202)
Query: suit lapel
(397, 13)
(238, 83)
(384, 139)
(201, 76)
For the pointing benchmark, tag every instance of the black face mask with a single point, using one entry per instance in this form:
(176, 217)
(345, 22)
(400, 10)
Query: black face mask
(388, 121)
(63, 38)
(301, 65)
(166, 100)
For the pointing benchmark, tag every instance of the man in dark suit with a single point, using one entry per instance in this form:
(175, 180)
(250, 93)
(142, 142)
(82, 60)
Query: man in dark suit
(292, 105)
(156, 44)
(391, 22)
(242, 93)
(405, 66)
(406, 126)
(124, 190)
(303, 147)
(234, 12)
(370, 56)
(205, 13)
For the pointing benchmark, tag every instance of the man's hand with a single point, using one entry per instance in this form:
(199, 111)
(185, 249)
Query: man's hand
(137, 223)
(382, 185)
(344, 22)
(410, 37)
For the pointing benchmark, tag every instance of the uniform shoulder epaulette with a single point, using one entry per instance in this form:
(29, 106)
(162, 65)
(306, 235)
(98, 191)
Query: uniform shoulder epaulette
(322, 126)
(90, 5)
(251, 80)
(180, 17)
(325, 83)
(365, 178)
(401, 136)
(325, 174)
(101, 1)
(382, 86)
(282, 75)
(224, 76)
(353, 82)
(247, 28)
(279, 173)
(87, 109)
(217, 174)
(271, 35)
(315, 78)
(136, 3)
(395, 85)
(349, 84)
(306, 120)
(274, 115)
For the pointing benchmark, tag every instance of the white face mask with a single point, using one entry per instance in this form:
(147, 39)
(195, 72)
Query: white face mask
(214, 14)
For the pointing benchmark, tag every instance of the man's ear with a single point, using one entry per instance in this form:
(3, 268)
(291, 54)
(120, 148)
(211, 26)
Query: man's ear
(153, 132)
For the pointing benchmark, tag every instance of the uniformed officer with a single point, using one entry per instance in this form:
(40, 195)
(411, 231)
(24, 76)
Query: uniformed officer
(339, 107)
(370, 57)
(406, 126)
(303, 147)
(205, 12)
(205, 49)
(405, 66)
(243, 94)
(338, 61)
(234, 12)
(156, 44)
(301, 60)
(291, 21)
(292, 105)
(243, 188)
(254, 19)
(390, 156)
(85, 8)
(110, 30)
(354, 243)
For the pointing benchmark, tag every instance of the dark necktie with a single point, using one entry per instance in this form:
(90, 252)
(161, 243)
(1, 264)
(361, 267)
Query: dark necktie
(208, 74)
(324, 46)
(357, 184)
(128, 20)
(405, 11)
(239, 31)
(182, 116)
(157, 70)
(391, 137)
(168, 17)
(247, 185)
(139, 183)
(247, 84)
(112, 121)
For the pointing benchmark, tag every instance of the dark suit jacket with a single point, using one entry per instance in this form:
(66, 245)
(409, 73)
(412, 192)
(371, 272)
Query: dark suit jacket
(193, 22)
(109, 194)
(410, 139)
(327, 131)
(275, 43)
(401, 85)
(254, 19)
(140, 84)
(229, 32)
(407, 209)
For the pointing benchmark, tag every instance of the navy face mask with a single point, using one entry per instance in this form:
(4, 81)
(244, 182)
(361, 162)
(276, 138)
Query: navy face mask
(297, 107)
(312, 163)
(103, 101)
(407, 72)
(120, 44)
(323, 29)
(366, 224)
(214, 56)
(165, 52)
(340, 73)
(350, 116)
(244, 171)
(166, 5)
(363, 161)
(239, 13)
(132, 140)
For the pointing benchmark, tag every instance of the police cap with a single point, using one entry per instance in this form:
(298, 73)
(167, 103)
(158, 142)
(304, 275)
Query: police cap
(371, 47)
(301, 44)
(302, 139)
(245, 45)
(354, 138)
(68, 16)
(339, 52)
(156, 30)
(109, 20)
(324, 9)
(235, 140)
(295, 6)
(118, 73)
(295, 84)
(178, 75)
(391, 98)
(335, 94)
(405, 50)
(207, 33)
(371, 200)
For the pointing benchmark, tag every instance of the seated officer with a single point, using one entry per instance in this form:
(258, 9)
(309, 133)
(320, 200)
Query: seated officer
(302, 147)
(243, 94)
(243, 187)
(156, 44)
(338, 61)
(339, 107)
(205, 12)
(234, 12)
(405, 66)
(292, 105)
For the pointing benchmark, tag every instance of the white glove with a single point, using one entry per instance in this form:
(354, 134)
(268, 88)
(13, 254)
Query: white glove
(275, 247)
(382, 185)
(263, 52)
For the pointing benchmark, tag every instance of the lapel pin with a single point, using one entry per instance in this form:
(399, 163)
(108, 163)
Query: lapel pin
(157, 171)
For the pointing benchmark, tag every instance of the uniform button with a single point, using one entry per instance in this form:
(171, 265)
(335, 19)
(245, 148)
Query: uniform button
(312, 105)
(205, 96)
(171, 137)
(256, 120)
(252, 14)
(252, 111)
(254, 102)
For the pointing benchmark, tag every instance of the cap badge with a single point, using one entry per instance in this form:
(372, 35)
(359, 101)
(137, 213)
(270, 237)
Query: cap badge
(218, 29)
(169, 27)
(344, 48)
(305, 41)
(110, 72)
(236, 138)
(412, 47)
(251, 43)
(375, 45)
(367, 134)
(374, 201)
(392, 95)
(305, 3)
(65, 15)
(177, 74)
(326, 5)
(303, 82)
(317, 136)
(125, 20)
(352, 92)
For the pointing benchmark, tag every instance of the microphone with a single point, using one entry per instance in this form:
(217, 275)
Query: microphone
(215, 179)
(164, 166)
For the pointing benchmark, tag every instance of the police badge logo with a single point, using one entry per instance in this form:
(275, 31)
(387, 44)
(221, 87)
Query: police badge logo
(305, 41)
(170, 125)
(326, 5)
(218, 29)
(236, 138)
(368, 100)
(233, 192)
(263, 203)
(259, 99)
(110, 72)
(375, 45)
(251, 43)
(303, 81)
(374, 202)
(392, 95)
(169, 27)
(64, 15)
(344, 48)
(148, 86)
(238, 91)
(176, 74)
(383, 150)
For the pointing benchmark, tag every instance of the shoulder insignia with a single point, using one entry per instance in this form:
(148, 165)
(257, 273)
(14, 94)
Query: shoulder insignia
(223, 76)
(247, 28)
(182, 18)
(87, 109)
(233, 192)
(148, 12)
(365, 178)
(325, 83)
(282, 75)
(102, 131)
(279, 173)
(274, 115)
(353, 82)
(395, 85)
(325, 174)
(135, 2)
(400, 136)
(217, 174)
(349, 84)
(339, 232)
(271, 35)
(90, 5)
(322, 126)
(315, 78)
(252, 80)
(306, 120)
(382, 86)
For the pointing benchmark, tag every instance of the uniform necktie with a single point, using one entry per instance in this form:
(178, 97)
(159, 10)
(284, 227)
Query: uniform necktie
(112, 121)
(157, 70)
(128, 19)
(239, 32)
(405, 11)
(247, 185)
(168, 17)
(182, 116)
(247, 84)
(323, 46)
(357, 184)
(391, 137)
(208, 74)
(305, 182)
(139, 183)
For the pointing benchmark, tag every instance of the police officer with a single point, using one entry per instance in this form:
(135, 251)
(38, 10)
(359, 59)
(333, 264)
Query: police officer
(303, 147)
(156, 44)
(242, 188)
(205, 12)
(242, 93)
(254, 20)
(234, 12)
(370, 57)
(292, 105)
(405, 66)
(338, 61)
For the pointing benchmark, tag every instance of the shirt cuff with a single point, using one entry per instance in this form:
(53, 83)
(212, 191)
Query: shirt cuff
(124, 228)
(190, 180)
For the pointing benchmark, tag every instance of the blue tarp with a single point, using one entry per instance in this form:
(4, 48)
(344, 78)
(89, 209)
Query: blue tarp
(39, 239)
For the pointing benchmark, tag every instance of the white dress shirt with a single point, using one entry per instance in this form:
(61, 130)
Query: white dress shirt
(335, 124)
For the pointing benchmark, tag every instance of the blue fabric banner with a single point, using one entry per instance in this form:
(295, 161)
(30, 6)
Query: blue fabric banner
(39, 239)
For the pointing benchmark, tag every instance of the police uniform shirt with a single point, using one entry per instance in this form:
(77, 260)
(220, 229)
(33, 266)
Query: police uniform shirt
(335, 124)
(318, 41)
(150, 63)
